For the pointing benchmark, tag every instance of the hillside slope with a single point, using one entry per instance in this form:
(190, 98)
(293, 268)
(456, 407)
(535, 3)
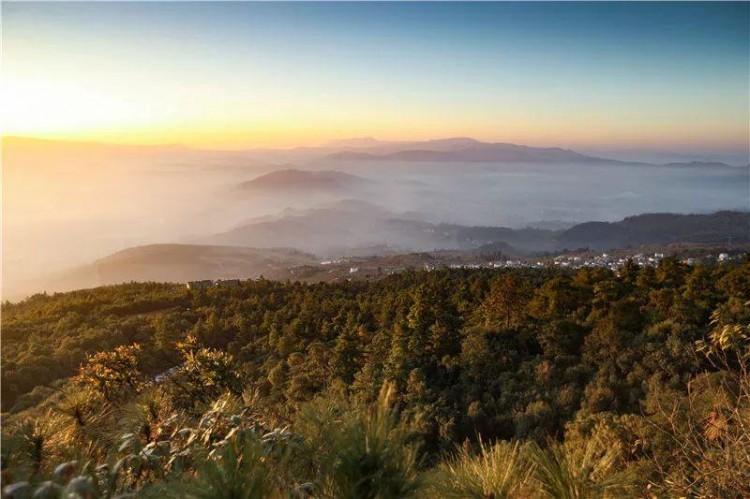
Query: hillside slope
(294, 179)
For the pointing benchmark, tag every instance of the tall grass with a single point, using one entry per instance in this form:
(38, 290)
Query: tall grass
(370, 456)
(567, 471)
(496, 471)
(240, 472)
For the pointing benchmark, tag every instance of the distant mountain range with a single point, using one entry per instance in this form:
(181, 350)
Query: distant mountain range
(329, 230)
(358, 229)
(470, 150)
(356, 149)
(293, 179)
(353, 227)
(659, 228)
(725, 227)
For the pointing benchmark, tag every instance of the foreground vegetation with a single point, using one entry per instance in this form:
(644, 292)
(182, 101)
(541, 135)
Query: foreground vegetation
(425, 384)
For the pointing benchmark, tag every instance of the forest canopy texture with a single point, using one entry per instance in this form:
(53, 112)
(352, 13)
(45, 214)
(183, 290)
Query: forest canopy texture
(449, 383)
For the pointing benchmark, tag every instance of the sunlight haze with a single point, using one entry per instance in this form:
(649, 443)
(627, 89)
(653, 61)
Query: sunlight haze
(236, 75)
(356, 129)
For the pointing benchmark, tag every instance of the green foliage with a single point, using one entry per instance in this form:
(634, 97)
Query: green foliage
(504, 304)
(499, 471)
(225, 452)
(707, 429)
(370, 456)
(707, 433)
(729, 340)
(568, 471)
(203, 375)
(115, 375)
(240, 471)
(642, 361)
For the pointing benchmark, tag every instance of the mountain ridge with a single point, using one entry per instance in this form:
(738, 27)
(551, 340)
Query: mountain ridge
(333, 228)
(251, 251)
(360, 149)
(296, 179)
(502, 152)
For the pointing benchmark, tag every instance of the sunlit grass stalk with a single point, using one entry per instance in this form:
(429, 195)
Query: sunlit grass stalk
(496, 471)
(566, 471)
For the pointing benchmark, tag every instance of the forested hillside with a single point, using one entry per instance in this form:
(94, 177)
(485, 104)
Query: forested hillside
(450, 383)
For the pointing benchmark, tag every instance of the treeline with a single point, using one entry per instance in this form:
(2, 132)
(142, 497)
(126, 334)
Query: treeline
(617, 369)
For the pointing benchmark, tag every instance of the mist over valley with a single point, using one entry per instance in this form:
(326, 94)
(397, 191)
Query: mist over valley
(68, 205)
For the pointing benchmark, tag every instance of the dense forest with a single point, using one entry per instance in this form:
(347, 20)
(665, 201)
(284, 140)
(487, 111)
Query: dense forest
(449, 383)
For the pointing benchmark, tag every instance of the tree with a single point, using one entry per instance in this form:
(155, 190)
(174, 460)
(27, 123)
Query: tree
(346, 355)
(204, 375)
(505, 302)
(114, 374)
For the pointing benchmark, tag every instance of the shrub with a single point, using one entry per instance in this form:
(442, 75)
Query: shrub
(498, 471)
(371, 457)
(566, 471)
(116, 374)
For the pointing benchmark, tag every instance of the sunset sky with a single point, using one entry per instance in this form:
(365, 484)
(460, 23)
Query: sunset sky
(230, 75)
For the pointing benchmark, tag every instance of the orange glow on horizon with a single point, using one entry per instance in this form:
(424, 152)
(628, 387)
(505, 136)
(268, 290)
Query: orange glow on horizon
(247, 138)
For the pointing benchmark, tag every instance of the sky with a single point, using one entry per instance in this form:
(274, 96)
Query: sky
(236, 75)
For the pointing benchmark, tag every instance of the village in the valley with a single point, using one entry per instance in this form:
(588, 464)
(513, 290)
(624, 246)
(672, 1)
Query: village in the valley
(364, 268)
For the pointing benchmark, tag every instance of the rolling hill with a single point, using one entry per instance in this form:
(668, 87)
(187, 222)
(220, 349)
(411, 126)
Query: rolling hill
(659, 228)
(294, 179)
(355, 227)
(177, 263)
(280, 247)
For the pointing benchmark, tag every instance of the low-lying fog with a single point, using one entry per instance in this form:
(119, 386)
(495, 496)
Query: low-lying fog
(516, 195)
(64, 207)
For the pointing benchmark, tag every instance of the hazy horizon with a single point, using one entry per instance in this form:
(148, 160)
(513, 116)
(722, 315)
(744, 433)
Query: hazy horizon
(127, 124)
(576, 75)
(654, 155)
(67, 204)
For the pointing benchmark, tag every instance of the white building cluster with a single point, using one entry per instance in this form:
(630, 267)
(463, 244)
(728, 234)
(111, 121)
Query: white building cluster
(606, 260)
